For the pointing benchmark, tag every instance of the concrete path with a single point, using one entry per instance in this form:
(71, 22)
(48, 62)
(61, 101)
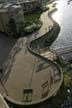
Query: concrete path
(3, 104)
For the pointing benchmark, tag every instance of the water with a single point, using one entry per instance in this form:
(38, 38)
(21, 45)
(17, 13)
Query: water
(63, 16)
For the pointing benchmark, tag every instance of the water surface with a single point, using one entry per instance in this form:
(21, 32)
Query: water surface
(64, 18)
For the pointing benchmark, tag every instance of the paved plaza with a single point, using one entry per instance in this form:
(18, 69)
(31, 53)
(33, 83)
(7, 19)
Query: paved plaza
(30, 78)
(29, 72)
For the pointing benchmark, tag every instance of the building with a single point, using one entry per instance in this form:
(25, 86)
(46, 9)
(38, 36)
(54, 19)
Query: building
(42, 1)
(8, 11)
(29, 5)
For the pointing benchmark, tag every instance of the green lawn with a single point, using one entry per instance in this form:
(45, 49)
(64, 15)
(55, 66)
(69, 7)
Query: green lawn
(32, 17)
(32, 22)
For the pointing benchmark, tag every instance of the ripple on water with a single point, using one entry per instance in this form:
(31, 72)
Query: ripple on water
(63, 17)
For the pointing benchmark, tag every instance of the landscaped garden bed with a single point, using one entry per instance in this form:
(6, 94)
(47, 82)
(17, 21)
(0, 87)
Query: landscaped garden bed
(32, 27)
(32, 22)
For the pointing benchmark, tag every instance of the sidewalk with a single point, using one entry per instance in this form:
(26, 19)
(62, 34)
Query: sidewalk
(3, 103)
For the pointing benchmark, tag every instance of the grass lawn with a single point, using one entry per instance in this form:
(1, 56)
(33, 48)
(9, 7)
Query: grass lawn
(32, 17)
(32, 22)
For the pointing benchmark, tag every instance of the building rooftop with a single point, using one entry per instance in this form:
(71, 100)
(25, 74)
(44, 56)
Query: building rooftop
(8, 7)
(26, 1)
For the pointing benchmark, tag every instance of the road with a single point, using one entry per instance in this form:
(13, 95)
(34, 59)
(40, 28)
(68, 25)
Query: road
(6, 45)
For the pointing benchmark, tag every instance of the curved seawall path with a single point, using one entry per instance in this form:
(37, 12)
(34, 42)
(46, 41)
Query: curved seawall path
(31, 77)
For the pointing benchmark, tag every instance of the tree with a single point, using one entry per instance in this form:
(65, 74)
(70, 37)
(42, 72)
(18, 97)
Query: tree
(12, 29)
(21, 27)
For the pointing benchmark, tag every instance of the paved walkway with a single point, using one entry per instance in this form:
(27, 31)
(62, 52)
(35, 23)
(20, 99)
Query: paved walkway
(32, 79)
(3, 104)
(46, 23)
